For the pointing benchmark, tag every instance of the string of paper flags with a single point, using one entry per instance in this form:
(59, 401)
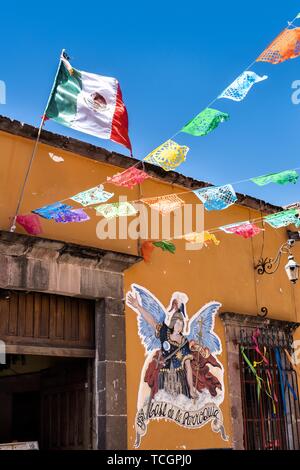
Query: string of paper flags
(246, 229)
(168, 155)
(214, 198)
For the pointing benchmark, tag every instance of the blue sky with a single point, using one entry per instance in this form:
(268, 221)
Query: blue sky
(171, 58)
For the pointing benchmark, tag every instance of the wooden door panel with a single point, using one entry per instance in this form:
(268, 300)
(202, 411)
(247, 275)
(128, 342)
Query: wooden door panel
(13, 315)
(29, 316)
(47, 320)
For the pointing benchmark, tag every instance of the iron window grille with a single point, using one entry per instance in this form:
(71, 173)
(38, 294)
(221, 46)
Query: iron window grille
(264, 429)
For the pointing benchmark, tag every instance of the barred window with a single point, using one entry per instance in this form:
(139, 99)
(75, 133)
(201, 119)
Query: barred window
(269, 424)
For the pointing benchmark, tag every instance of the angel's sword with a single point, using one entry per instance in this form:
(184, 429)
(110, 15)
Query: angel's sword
(200, 341)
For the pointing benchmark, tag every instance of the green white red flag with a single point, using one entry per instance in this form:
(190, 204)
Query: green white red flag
(89, 103)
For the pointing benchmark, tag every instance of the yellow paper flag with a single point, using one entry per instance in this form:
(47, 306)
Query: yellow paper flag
(168, 155)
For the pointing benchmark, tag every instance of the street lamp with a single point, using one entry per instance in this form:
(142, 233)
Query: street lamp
(292, 269)
(270, 265)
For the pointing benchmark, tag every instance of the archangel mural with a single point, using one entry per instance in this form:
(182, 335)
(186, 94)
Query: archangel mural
(182, 379)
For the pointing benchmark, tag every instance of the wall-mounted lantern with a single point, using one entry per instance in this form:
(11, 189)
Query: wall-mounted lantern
(270, 265)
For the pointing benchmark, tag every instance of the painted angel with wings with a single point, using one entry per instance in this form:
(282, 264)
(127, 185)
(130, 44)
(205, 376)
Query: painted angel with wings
(181, 349)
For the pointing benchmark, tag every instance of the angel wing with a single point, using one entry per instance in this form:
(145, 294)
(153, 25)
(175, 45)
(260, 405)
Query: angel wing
(201, 327)
(154, 307)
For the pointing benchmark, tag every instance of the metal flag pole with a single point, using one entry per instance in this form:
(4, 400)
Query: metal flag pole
(34, 151)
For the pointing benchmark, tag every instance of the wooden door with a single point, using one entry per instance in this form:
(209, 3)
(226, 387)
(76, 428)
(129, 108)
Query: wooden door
(66, 408)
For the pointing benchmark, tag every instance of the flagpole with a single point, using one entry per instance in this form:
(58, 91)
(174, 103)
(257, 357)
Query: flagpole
(34, 151)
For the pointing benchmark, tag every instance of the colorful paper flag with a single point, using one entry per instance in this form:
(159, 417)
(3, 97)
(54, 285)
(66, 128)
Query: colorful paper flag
(244, 229)
(128, 178)
(285, 46)
(282, 219)
(168, 155)
(164, 204)
(31, 223)
(75, 215)
(165, 246)
(116, 209)
(94, 195)
(51, 210)
(147, 248)
(202, 237)
(194, 237)
(205, 122)
(89, 103)
(297, 220)
(284, 177)
(216, 198)
(241, 86)
(210, 237)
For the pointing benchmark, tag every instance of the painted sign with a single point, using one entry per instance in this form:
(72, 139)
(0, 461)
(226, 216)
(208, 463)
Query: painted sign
(182, 379)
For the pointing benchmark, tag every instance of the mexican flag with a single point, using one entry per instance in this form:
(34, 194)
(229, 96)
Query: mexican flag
(89, 103)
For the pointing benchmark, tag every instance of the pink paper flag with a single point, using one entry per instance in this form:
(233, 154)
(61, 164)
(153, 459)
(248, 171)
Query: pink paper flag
(128, 178)
(244, 229)
(31, 223)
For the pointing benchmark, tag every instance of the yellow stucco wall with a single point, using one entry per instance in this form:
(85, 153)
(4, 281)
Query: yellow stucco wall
(223, 273)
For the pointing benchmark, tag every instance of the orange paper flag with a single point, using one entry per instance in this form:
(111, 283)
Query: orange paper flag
(164, 204)
(285, 46)
(147, 248)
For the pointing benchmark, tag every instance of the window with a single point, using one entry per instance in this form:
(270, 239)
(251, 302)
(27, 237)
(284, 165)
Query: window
(266, 428)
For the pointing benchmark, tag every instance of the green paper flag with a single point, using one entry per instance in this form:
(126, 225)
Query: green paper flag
(205, 122)
(259, 380)
(284, 177)
(165, 246)
(297, 223)
(283, 218)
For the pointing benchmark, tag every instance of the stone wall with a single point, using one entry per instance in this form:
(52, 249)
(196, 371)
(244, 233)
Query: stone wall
(36, 264)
